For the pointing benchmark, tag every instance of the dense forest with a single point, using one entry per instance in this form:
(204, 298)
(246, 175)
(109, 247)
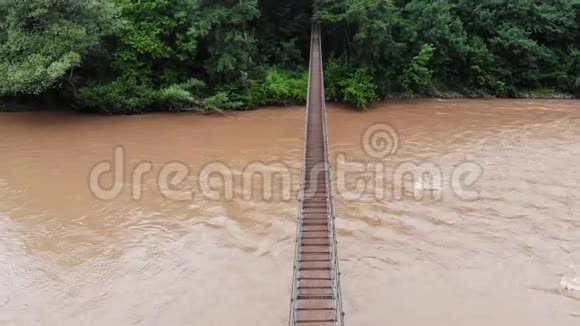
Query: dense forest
(131, 56)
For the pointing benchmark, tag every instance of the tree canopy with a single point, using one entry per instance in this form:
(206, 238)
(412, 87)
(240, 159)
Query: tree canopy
(129, 56)
(43, 40)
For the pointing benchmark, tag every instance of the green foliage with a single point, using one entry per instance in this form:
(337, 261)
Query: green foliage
(126, 95)
(284, 33)
(175, 98)
(277, 86)
(222, 100)
(370, 34)
(359, 89)
(494, 47)
(180, 96)
(527, 40)
(482, 69)
(130, 56)
(151, 45)
(344, 83)
(123, 95)
(42, 40)
(36, 73)
(417, 76)
(335, 70)
(283, 87)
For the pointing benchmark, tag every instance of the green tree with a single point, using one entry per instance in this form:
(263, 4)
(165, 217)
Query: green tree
(417, 76)
(436, 24)
(359, 89)
(371, 35)
(528, 39)
(43, 41)
(130, 56)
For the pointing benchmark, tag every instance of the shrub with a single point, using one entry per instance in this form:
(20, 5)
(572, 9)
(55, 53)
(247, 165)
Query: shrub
(180, 96)
(346, 84)
(43, 41)
(283, 87)
(359, 89)
(417, 76)
(174, 98)
(255, 94)
(221, 100)
(334, 72)
(123, 95)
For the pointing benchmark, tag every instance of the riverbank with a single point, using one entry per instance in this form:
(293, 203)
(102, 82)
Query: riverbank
(431, 94)
(546, 94)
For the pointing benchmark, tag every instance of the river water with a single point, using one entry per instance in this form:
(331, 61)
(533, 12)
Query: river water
(500, 251)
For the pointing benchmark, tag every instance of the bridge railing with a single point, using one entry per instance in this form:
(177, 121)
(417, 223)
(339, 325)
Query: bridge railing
(298, 256)
(331, 216)
(337, 293)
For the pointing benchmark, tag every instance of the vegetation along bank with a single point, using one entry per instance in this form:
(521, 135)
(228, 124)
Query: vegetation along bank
(131, 56)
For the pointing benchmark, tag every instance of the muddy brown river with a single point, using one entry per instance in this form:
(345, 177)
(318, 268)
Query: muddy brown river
(165, 219)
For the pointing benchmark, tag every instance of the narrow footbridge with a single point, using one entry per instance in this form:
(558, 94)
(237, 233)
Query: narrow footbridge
(316, 297)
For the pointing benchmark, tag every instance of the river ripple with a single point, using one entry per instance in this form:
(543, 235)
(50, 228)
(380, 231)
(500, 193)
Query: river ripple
(69, 258)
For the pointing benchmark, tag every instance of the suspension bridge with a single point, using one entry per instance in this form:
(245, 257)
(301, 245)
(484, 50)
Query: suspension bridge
(316, 292)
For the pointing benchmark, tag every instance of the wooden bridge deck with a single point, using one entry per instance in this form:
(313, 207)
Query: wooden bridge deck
(316, 299)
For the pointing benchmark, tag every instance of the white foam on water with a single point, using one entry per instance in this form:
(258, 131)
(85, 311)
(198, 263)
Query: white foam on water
(571, 283)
